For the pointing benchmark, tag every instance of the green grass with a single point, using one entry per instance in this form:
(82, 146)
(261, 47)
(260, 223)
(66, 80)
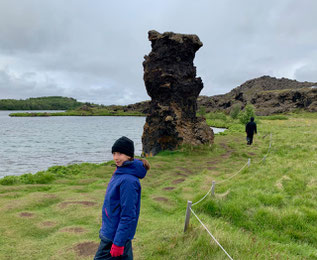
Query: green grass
(274, 117)
(267, 211)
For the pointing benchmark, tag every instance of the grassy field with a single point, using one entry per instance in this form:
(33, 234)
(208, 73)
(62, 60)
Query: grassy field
(267, 211)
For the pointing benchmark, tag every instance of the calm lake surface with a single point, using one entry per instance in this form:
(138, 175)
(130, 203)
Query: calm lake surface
(32, 144)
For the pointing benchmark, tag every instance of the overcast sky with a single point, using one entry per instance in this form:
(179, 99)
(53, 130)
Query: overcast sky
(93, 50)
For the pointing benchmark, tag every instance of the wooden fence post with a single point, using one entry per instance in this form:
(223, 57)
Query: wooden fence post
(249, 162)
(213, 188)
(189, 204)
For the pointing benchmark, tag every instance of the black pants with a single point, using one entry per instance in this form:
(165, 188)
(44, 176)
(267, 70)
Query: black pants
(249, 139)
(103, 252)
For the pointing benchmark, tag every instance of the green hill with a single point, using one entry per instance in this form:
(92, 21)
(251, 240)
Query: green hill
(40, 103)
(266, 211)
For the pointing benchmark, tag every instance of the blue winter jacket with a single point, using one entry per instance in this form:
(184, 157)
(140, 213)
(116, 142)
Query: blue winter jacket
(121, 208)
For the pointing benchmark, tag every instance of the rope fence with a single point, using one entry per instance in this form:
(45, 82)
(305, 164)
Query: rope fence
(189, 209)
(268, 150)
(212, 188)
(211, 234)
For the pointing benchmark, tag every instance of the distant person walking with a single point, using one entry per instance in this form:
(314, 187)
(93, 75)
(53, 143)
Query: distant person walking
(121, 207)
(250, 129)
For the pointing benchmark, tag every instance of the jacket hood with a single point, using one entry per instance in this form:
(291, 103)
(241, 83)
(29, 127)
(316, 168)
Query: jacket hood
(134, 168)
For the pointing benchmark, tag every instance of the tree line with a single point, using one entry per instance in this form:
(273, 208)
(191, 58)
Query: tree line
(40, 103)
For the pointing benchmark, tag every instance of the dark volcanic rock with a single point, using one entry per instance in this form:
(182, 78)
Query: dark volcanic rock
(269, 95)
(142, 107)
(281, 101)
(170, 80)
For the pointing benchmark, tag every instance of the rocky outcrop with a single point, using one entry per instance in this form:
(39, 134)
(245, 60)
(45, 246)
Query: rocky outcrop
(142, 107)
(269, 95)
(170, 80)
(281, 101)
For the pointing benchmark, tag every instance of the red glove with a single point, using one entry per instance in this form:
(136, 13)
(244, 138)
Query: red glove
(116, 250)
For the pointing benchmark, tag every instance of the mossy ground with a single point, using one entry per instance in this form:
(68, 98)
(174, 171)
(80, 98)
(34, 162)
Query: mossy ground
(267, 211)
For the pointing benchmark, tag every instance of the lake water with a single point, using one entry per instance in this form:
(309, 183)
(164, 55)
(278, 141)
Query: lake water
(32, 144)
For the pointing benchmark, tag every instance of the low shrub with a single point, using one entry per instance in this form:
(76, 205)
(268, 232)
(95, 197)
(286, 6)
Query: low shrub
(38, 178)
(235, 110)
(247, 113)
(216, 115)
(9, 180)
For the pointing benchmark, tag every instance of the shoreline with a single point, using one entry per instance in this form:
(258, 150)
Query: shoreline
(219, 130)
(74, 113)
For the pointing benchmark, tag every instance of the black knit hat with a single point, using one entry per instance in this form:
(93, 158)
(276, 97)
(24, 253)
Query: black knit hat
(124, 145)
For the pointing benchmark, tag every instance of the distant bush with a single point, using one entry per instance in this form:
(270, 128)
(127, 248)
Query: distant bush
(235, 110)
(246, 114)
(202, 111)
(216, 115)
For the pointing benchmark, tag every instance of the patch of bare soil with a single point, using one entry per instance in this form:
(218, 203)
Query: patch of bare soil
(10, 195)
(84, 203)
(47, 224)
(186, 170)
(224, 146)
(180, 174)
(50, 196)
(228, 150)
(213, 162)
(26, 215)
(161, 199)
(87, 181)
(73, 230)
(226, 155)
(86, 249)
(178, 181)
(212, 168)
(169, 188)
(160, 165)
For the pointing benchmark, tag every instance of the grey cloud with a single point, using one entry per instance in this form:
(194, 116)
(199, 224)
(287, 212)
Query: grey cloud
(307, 73)
(93, 50)
(26, 85)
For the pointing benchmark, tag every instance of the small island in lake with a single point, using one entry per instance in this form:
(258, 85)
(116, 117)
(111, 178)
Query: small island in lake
(71, 105)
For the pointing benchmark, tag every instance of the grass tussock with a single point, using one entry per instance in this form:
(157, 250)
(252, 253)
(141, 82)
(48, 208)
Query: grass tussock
(267, 211)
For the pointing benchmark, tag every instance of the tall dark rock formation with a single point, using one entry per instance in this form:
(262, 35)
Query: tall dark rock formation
(170, 80)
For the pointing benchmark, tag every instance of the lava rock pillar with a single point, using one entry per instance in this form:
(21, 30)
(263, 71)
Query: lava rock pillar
(170, 80)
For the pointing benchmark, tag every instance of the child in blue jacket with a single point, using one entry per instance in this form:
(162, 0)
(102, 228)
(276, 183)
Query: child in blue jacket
(121, 207)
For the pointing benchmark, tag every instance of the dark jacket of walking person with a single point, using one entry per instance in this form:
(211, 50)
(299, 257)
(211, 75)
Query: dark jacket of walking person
(250, 129)
(121, 207)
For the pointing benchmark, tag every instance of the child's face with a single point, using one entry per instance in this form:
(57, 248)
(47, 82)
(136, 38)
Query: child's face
(120, 158)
